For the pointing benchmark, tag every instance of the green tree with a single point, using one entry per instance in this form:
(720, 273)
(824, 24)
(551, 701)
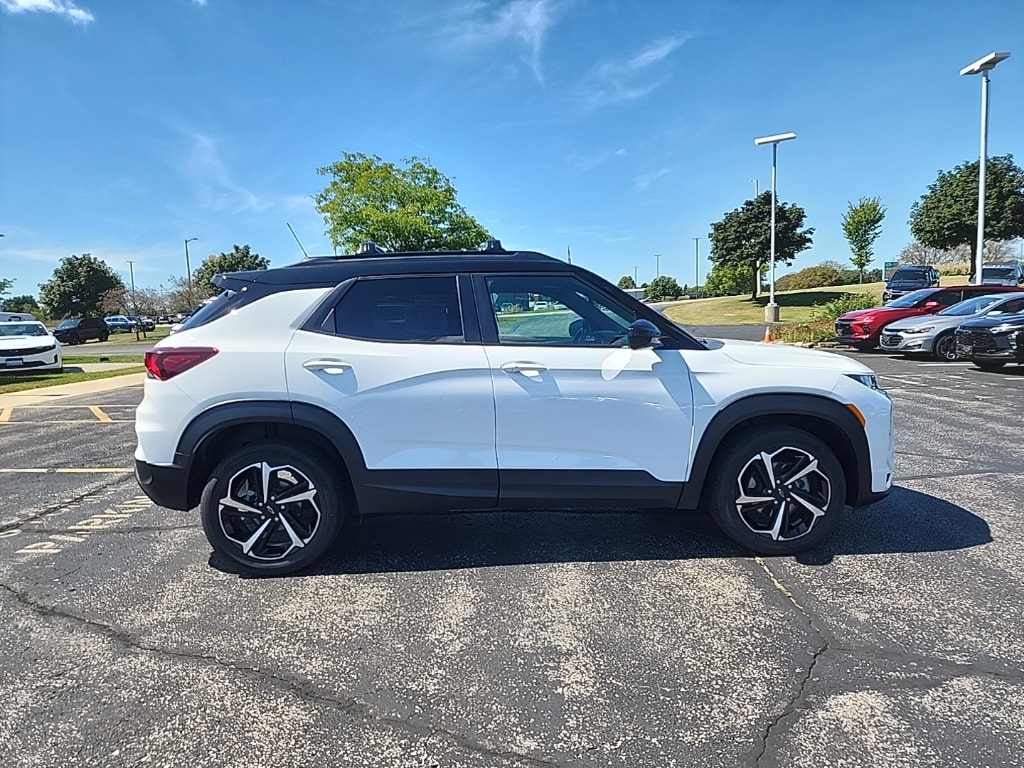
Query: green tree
(241, 259)
(862, 224)
(401, 209)
(728, 280)
(77, 287)
(21, 304)
(5, 285)
(663, 287)
(626, 281)
(946, 216)
(743, 236)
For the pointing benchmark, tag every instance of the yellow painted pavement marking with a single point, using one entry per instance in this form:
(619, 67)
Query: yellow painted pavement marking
(64, 470)
(5, 414)
(99, 414)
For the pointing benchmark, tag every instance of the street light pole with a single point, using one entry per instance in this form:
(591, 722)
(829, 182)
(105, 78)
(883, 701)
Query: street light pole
(188, 273)
(135, 303)
(982, 66)
(657, 265)
(636, 276)
(756, 190)
(696, 263)
(771, 311)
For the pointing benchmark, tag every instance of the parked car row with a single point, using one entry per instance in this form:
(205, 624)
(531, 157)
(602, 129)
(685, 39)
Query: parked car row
(981, 323)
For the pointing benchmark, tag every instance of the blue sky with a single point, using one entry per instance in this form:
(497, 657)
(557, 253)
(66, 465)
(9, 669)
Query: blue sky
(619, 128)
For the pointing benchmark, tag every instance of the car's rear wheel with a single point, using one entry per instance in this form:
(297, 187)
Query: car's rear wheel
(73, 339)
(990, 365)
(775, 490)
(272, 509)
(104, 337)
(945, 347)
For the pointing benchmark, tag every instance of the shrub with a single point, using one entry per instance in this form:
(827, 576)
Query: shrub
(848, 302)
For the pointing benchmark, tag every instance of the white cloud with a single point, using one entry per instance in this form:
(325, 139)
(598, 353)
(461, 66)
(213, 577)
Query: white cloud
(478, 23)
(643, 181)
(215, 186)
(199, 2)
(622, 80)
(66, 8)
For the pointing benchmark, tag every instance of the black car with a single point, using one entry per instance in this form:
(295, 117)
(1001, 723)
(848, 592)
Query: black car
(991, 342)
(909, 278)
(80, 329)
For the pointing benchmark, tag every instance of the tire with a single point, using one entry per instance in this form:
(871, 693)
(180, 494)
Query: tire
(740, 468)
(944, 347)
(989, 365)
(104, 337)
(73, 339)
(294, 535)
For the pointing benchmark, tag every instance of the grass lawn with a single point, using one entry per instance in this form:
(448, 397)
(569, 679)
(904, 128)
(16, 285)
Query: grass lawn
(794, 306)
(17, 382)
(80, 359)
(151, 338)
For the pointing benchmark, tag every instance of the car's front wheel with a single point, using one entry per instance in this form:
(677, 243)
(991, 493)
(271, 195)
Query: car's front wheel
(271, 508)
(775, 490)
(945, 347)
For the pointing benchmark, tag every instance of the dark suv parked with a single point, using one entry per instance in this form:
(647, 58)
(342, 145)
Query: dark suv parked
(907, 279)
(81, 329)
(992, 342)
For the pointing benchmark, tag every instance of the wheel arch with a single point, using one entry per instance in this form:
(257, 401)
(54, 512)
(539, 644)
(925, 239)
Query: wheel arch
(214, 432)
(827, 419)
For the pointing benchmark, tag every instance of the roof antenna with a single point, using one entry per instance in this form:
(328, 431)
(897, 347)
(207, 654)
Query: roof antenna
(296, 239)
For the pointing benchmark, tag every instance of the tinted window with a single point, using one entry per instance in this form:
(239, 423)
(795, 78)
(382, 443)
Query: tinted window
(68, 324)
(555, 309)
(418, 309)
(915, 299)
(910, 274)
(949, 298)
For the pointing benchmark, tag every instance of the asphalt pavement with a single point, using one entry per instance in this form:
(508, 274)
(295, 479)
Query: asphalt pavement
(521, 639)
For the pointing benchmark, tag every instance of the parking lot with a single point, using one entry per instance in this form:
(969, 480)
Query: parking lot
(521, 639)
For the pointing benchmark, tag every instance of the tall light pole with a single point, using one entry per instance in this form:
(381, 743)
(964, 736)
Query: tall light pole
(771, 312)
(757, 191)
(636, 276)
(657, 265)
(982, 66)
(188, 273)
(135, 303)
(696, 263)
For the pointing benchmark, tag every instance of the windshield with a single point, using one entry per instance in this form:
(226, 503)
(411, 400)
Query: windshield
(68, 324)
(971, 306)
(997, 272)
(911, 299)
(908, 273)
(23, 329)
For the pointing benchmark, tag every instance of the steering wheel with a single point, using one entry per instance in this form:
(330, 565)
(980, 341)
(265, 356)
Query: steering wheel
(580, 331)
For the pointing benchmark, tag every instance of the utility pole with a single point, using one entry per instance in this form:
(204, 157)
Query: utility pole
(636, 276)
(135, 303)
(188, 273)
(696, 262)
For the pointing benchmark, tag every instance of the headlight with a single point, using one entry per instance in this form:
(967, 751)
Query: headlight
(867, 379)
(1005, 328)
(926, 329)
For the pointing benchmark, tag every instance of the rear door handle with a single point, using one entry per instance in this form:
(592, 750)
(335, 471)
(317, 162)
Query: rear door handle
(533, 370)
(327, 365)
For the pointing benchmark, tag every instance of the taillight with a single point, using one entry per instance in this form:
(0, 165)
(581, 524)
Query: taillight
(168, 362)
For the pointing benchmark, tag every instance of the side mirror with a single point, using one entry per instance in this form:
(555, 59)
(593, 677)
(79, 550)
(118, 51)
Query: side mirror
(642, 333)
(931, 305)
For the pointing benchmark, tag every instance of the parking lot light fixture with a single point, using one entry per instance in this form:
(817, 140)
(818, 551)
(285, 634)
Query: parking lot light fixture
(982, 67)
(188, 273)
(771, 312)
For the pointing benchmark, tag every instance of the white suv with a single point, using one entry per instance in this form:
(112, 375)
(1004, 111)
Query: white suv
(408, 382)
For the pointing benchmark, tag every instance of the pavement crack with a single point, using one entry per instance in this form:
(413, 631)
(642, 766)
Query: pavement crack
(93, 492)
(350, 706)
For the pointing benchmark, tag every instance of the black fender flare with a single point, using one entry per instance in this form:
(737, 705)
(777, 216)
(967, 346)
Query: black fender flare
(822, 416)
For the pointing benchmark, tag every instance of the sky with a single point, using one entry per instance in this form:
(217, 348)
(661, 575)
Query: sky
(619, 130)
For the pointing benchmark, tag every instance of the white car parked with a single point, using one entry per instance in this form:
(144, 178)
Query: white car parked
(394, 382)
(28, 346)
(935, 334)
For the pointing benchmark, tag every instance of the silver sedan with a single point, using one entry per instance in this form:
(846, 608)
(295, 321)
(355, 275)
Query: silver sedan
(933, 334)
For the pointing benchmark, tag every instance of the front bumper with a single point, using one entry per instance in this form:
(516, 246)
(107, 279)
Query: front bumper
(166, 486)
(906, 344)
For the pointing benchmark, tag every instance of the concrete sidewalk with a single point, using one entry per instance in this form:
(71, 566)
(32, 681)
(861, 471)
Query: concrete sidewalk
(51, 394)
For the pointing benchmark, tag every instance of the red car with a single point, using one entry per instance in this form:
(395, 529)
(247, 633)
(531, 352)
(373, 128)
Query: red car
(861, 329)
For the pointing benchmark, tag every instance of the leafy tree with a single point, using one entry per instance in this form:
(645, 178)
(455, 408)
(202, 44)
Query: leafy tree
(21, 304)
(626, 281)
(728, 280)
(77, 287)
(115, 301)
(862, 224)
(5, 285)
(241, 259)
(663, 287)
(401, 209)
(946, 216)
(743, 236)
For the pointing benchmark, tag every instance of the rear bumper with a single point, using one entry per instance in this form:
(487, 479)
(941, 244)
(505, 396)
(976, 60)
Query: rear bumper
(166, 486)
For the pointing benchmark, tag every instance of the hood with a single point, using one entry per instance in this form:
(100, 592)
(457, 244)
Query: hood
(928, 321)
(991, 321)
(759, 353)
(26, 342)
(860, 314)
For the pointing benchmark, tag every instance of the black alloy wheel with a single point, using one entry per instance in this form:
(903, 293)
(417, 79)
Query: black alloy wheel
(73, 338)
(776, 490)
(272, 508)
(945, 347)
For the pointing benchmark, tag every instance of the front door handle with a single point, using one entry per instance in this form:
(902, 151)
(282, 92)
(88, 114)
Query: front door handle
(327, 365)
(533, 370)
